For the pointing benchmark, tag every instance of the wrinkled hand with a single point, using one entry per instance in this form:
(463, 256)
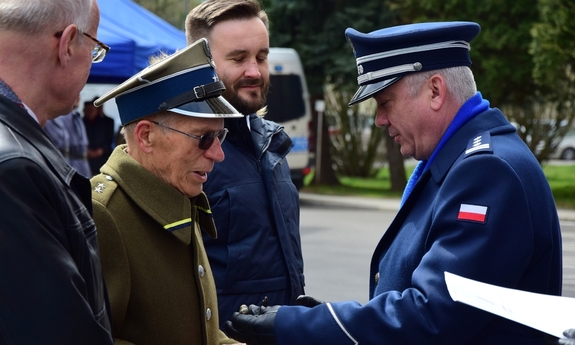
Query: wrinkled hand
(308, 301)
(570, 334)
(254, 327)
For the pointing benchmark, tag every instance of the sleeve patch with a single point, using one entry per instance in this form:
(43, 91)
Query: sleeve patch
(472, 213)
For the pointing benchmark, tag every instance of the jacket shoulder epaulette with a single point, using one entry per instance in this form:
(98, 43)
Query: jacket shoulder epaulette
(479, 143)
(103, 187)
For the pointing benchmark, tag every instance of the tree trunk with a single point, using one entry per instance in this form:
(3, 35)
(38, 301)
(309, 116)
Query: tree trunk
(326, 174)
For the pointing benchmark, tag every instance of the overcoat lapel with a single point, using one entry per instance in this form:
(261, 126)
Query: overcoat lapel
(402, 214)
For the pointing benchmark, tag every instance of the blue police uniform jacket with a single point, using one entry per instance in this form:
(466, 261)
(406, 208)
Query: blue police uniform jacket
(50, 275)
(256, 211)
(483, 210)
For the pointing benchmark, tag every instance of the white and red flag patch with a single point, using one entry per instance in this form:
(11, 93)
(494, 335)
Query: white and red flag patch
(474, 213)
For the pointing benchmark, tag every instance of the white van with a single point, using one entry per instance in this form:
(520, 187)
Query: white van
(288, 105)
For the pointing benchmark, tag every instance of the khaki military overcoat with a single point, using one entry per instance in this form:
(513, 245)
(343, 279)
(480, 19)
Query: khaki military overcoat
(157, 273)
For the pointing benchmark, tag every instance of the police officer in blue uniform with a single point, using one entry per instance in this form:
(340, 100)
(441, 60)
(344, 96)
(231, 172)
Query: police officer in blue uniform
(477, 205)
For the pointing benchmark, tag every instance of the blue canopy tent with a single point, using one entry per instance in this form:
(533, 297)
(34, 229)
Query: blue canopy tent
(133, 34)
(119, 64)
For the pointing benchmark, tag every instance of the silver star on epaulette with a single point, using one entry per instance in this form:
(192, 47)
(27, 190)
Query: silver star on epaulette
(99, 188)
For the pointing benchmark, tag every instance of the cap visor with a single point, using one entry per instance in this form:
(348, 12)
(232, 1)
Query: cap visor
(369, 90)
(216, 107)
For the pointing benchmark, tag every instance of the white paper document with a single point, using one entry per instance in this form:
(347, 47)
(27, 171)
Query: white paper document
(549, 314)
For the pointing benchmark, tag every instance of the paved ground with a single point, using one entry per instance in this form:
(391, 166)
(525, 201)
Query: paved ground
(383, 203)
(355, 251)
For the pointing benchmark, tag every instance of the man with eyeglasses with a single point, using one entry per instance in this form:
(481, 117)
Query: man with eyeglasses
(51, 284)
(149, 206)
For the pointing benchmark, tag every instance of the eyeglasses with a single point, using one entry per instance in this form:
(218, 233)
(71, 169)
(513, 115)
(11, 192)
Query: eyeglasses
(98, 52)
(206, 140)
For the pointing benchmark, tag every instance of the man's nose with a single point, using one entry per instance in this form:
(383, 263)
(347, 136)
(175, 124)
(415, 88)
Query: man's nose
(253, 69)
(215, 152)
(381, 119)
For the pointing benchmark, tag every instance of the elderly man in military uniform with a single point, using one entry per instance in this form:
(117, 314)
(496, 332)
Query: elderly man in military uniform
(149, 206)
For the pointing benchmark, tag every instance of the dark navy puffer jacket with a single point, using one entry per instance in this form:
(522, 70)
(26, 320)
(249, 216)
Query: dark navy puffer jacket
(256, 211)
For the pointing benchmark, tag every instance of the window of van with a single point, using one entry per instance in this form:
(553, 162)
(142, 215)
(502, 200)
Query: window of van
(285, 101)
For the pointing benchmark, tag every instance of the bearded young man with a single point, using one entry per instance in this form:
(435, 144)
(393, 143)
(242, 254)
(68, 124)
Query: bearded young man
(256, 206)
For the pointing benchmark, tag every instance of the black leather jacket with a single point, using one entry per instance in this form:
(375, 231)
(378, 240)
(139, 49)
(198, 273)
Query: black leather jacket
(51, 285)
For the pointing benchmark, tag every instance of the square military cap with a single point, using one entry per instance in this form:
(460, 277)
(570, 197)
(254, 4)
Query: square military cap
(385, 56)
(184, 83)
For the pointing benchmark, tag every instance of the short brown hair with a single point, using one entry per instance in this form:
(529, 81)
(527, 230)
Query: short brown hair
(201, 19)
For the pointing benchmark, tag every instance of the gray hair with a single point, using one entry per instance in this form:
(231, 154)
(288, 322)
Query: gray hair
(36, 16)
(202, 18)
(460, 82)
(164, 117)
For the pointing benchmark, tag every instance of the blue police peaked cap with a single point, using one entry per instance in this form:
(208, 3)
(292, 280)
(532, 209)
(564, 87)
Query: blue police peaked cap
(385, 56)
(184, 83)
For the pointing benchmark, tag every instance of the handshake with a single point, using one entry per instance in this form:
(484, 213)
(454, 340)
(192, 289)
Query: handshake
(254, 325)
(570, 334)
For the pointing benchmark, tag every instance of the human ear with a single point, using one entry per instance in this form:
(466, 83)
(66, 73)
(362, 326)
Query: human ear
(143, 135)
(67, 45)
(438, 90)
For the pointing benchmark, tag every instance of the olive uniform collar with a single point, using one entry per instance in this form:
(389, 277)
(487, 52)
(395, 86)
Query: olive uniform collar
(174, 211)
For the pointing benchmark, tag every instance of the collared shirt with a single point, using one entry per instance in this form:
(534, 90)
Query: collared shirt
(69, 135)
(30, 112)
(7, 92)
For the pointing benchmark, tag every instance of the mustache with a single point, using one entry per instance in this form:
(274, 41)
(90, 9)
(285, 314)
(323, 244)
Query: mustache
(249, 82)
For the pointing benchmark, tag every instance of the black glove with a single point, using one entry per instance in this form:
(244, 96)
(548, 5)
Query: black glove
(570, 334)
(256, 327)
(308, 301)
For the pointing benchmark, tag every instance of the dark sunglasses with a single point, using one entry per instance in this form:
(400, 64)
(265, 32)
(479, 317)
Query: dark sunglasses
(206, 140)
